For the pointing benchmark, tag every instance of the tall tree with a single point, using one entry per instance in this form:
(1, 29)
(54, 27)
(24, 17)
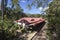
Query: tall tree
(54, 20)
(2, 8)
(7, 27)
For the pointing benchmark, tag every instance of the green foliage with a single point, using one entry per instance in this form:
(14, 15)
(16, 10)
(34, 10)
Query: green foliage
(37, 3)
(54, 19)
(7, 26)
(37, 15)
(8, 30)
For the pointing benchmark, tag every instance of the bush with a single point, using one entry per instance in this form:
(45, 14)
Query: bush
(54, 20)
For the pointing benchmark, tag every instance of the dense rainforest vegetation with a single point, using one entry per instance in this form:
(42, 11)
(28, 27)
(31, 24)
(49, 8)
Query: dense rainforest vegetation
(7, 16)
(53, 16)
(15, 12)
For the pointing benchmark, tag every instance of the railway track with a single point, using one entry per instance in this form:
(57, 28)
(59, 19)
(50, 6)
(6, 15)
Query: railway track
(41, 35)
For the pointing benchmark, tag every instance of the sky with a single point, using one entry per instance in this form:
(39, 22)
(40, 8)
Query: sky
(33, 10)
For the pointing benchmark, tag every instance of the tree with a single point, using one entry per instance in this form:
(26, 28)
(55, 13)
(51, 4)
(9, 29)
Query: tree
(38, 3)
(7, 27)
(53, 16)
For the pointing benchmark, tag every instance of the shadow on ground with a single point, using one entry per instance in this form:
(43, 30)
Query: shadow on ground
(38, 27)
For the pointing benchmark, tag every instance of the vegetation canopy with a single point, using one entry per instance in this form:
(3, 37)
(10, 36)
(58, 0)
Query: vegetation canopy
(15, 12)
